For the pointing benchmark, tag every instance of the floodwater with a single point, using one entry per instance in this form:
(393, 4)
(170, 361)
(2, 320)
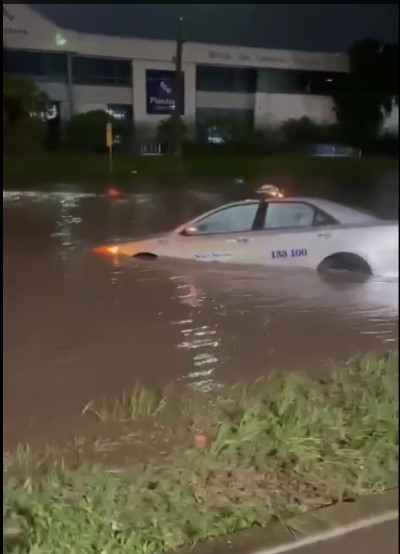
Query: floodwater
(77, 327)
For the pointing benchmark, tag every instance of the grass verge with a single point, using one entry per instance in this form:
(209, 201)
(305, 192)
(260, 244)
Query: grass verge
(68, 168)
(131, 406)
(274, 449)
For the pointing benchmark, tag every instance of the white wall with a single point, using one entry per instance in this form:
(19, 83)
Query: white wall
(87, 97)
(56, 91)
(241, 56)
(26, 29)
(225, 100)
(274, 109)
(391, 124)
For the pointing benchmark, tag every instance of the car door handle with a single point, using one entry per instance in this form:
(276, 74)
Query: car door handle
(242, 239)
(324, 235)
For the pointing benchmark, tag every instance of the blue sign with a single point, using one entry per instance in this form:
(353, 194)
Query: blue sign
(160, 92)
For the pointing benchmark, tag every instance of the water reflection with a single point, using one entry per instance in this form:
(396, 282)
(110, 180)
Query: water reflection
(66, 222)
(202, 341)
(77, 327)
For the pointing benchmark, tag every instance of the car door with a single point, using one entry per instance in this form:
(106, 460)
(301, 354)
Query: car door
(220, 236)
(291, 234)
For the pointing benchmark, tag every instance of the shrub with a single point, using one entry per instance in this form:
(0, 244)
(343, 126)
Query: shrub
(306, 131)
(24, 115)
(172, 132)
(87, 131)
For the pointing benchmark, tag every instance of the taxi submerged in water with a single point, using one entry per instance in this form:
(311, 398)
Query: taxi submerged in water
(274, 231)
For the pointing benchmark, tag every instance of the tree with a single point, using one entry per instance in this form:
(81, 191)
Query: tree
(305, 131)
(171, 132)
(369, 91)
(87, 131)
(24, 114)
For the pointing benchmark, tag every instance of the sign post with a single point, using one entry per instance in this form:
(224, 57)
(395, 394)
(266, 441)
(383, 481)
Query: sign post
(109, 143)
(178, 89)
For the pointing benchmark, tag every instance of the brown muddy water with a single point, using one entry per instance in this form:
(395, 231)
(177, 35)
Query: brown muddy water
(77, 328)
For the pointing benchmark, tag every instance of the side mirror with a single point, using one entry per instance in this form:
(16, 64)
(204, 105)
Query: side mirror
(189, 231)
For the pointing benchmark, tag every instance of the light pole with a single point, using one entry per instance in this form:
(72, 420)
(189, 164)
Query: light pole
(178, 88)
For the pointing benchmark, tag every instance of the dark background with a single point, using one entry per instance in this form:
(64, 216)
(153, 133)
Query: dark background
(314, 27)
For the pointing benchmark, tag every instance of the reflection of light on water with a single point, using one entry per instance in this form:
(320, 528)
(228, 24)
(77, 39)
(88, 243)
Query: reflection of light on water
(66, 222)
(192, 297)
(116, 276)
(143, 198)
(39, 196)
(203, 338)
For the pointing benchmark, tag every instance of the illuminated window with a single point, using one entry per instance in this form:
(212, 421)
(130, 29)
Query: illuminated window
(218, 125)
(52, 113)
(120, 112)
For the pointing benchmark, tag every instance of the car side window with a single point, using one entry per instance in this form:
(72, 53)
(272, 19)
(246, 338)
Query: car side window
(236, 219)
(288, 214)
(322, 219)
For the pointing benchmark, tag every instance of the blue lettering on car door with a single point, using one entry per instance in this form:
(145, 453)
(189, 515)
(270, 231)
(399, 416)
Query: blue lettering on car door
(295, 253)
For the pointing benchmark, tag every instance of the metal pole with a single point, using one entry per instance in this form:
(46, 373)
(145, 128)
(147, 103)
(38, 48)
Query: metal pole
(178, 87)
(70, 85)
(110, 160)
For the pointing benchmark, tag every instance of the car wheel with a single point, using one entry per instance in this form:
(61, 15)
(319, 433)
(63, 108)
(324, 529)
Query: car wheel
(145, 256)
(344, 263)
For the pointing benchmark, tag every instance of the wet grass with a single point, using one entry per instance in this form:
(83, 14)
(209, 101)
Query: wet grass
(281, 446)
(74, 168)
(139, 403)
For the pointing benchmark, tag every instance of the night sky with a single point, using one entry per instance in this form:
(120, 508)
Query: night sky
(314, 27)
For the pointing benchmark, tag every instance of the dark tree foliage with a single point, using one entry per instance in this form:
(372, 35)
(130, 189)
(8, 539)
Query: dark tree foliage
(371, 90)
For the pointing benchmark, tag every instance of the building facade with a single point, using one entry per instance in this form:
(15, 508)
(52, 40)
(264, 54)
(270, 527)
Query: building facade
(134, 79)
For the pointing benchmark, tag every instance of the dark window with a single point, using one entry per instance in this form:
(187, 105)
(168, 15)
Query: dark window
(284, 215)
(100, 71)
(291, 81)
(40, 65)
(226, 79)
(321, 219)
(292, 214)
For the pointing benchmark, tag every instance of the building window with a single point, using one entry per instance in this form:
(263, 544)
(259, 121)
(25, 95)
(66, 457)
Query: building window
(121, 116)
(100, 71)
(43, 66)
(291, 81)
(122, 113)
(219, 126)
(226, 79)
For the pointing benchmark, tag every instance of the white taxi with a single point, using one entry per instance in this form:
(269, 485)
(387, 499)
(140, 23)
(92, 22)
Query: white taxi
(297, 232)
